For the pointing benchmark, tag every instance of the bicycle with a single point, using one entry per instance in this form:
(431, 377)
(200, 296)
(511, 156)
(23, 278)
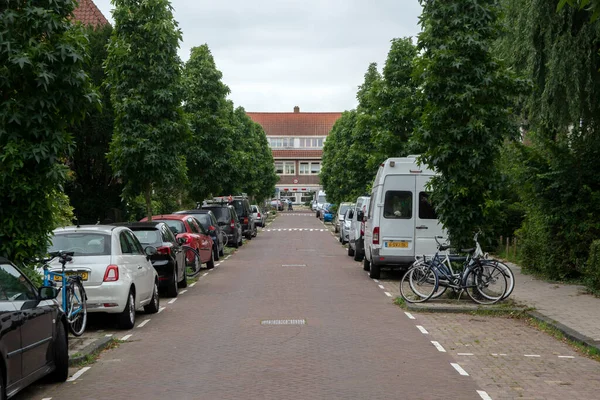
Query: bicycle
(192, 261)
(484, 283)
(74, 298)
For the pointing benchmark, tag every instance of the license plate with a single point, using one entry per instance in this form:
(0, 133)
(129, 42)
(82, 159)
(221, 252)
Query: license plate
(397, 244)
(83, 275)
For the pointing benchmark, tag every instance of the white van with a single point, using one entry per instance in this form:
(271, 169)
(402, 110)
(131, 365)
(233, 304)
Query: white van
(321, 199)
(356, 246)
(401, 221)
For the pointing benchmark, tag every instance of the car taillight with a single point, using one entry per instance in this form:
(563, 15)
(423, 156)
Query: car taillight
(232, 224)
(376, 235)
(211, 228)
(258, 215)
(111, 274)
(245, 220)
(164, 250)
(362, 230)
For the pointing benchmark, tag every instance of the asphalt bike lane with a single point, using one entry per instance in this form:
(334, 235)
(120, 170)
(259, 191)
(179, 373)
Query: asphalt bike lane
(286, 316)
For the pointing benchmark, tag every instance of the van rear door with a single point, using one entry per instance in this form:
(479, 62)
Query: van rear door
(427, 225)
(397, 218)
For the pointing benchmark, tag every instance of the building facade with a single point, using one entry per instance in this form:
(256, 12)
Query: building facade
(88, 14)
(296, 140)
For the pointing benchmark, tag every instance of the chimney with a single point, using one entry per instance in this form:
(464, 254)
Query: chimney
(296, 109)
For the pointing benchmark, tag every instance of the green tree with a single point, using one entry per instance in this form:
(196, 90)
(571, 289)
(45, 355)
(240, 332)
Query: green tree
(466, 117)
(44, 89)
(93, 191)
(144, 73)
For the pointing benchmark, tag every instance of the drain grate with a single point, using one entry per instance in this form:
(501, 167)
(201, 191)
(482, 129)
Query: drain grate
(283, 322)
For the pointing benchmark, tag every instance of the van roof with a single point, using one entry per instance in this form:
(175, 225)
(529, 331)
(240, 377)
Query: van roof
(404, 165)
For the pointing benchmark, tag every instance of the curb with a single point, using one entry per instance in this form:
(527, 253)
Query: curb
(461, 309)
(99, 344)
(565, 330)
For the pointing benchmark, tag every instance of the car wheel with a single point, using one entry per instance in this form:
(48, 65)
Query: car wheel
(357, 256)
(154, 305)
(249, 235)
(366, 264)
(255, 231)
(236, 244)
(375, 271)
(337, 230)
(172, 290)
(318, 215)
(211, 263)
(127, 317)
(350, 251)
(241, 242)
(61, 357)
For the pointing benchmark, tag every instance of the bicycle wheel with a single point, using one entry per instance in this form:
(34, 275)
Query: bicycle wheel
(224, 239)
(76, 309)
(508, 274)
(418, 284)
(442, 286)
(486, 285)
(192, 261)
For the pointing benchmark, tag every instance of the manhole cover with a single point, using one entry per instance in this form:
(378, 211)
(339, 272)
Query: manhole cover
(283, 322)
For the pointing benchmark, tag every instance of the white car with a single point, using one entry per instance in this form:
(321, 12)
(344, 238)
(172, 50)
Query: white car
(345, 225)
(117, 274)
(259, 216)
(339, 217)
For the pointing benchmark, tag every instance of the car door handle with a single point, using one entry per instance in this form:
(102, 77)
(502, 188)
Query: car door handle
(421, 227)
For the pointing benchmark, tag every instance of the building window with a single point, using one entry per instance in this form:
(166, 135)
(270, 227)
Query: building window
(279, 167)
(304, 168)
(289, 168)
(281, 142)
(311, 143)
(315, 168)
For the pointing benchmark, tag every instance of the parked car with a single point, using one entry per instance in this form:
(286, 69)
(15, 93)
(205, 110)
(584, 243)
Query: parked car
(228, 221)
(169, 260)
(321, 199)
(186, 227)
(326, 213)
(356, 247)
(244, 212)
(119, 277)
(208, 221)
(339, 215)
(260, 217)
(34, 332)
(345, 229)
(406, 224)
(277, 204)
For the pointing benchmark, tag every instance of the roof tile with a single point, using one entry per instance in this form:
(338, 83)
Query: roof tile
(297, 153)
(296, 123)
(88, 14)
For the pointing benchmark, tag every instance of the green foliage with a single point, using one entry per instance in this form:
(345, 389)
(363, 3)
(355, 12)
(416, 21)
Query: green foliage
(466, 117)
(93, 191)
(43, 90)
(592, 269)
(592, 6)
(144, 74)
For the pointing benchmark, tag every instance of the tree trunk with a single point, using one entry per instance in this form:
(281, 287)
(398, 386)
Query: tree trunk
(148, 196)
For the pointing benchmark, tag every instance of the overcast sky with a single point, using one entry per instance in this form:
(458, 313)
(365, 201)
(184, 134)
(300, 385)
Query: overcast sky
(276, 54)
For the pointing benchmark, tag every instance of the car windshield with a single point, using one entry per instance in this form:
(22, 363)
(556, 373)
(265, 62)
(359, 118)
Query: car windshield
(148, 236)
(81, 243)
(176, 226)
(222, 214)
(343, 209)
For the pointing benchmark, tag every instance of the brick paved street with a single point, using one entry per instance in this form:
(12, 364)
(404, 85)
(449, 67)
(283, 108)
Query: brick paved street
(355, 344)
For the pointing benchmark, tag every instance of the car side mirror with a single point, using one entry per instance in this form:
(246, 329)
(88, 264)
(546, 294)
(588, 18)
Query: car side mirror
(150, 250)
(360, 215)
(47, 293)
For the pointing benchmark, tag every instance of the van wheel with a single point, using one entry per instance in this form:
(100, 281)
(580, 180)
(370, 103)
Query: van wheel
(375, 271)
(366, 264)
(357, 256)
(350, 251)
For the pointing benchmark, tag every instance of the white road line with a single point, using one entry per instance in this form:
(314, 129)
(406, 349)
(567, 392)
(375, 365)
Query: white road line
(161, 310)
(173, 300)
(376, 280)
(409, 315)
(312, 230)
(217, 264)
(464, 354)
(47, 398)
(78, 374)
(438, 346)
(124, 338)
(279, 230)
(143, 323)
(183, 291)
(322, 230)
(532, 355)
(204, 274)
(381, 286)
(192, 284)
(227, 257)
(484, 395)
(496, 354)
(459, 369)
(566, 357)
(388, 294)
(423, 330)
(108, 335)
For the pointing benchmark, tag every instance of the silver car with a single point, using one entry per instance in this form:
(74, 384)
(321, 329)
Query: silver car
(339, 218)
(259, 216)
(345, 226)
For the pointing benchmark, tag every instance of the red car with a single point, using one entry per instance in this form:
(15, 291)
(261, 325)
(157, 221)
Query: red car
(191, 233)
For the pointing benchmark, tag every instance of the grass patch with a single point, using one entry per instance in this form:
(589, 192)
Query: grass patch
(93, 357)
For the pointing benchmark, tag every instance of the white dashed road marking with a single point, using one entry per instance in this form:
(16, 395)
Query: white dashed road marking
(108, 335)
(438, 346)
(484, 395)
(78, 374)
(204, 274)
(532, 355)
(173, 300)
(192, 284)
(459, 369)
(376, 280)
(381, 287)
(124, 338)
(388, 294)
(143, 323)
(161, 310)
(423, 330)
(566, 357)
(464, 354)
(409, 315)
(183, 291)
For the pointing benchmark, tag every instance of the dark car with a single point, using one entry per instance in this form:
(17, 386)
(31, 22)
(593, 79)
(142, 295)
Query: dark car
(208, 221)
(228, 220)
(244, 212)
(33, 332)
(169, 260)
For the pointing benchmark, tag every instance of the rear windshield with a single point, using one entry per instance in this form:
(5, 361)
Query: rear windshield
(239, 207)
(322, 199)
(149, 236)
(203, 219)
(175, 225)
(221, 213)
(81, 243)
(343, 209)
(397, 204)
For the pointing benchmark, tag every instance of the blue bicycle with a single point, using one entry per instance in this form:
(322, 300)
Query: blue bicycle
(74, 299)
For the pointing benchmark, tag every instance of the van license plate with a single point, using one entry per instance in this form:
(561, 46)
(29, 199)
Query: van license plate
(402, 244)
(83, 275)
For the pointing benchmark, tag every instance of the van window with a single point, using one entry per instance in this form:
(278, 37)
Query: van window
(426, 209)
(397, 204)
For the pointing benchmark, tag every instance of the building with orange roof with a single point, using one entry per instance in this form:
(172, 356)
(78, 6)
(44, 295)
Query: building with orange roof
(89, 14)
(296, 140)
